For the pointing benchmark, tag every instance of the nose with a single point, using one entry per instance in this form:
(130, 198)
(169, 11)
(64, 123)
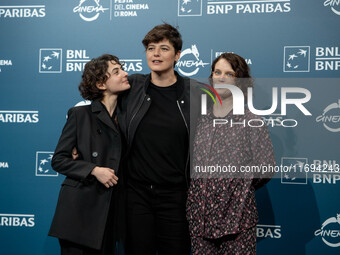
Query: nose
(156, 52)
(221, 77)
(123, 73)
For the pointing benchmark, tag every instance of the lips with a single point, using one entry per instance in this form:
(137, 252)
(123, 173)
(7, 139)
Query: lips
(157, 61)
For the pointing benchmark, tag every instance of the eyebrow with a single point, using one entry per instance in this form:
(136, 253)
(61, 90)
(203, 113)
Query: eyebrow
(162, 45)
(116, 68)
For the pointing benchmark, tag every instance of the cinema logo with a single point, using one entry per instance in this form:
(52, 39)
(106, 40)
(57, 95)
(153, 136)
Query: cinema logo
(216, 7)
(19, 116)
(330, 117)
(89, 10)
(330, 231)
(4, 62)
(190, 62)
(23, 11)
(17, 220)
(334, 4)
(4, 165)
(268, 231)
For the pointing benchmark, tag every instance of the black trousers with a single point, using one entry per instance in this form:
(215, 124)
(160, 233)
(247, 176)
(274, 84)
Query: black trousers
(70, 248)
(156, 220)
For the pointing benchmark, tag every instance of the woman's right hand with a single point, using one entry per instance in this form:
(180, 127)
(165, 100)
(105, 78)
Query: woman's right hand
(105, 175)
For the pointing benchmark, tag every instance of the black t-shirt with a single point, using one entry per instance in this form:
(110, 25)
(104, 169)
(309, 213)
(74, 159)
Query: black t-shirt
(160, 146)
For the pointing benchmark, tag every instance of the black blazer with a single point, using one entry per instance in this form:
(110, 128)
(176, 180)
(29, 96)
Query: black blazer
(83, 204)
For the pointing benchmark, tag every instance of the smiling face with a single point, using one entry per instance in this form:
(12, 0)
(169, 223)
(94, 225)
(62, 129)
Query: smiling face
(223, 73)
(161, 56)
(117, 80)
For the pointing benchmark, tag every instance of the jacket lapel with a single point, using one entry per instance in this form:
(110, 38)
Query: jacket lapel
(102, 114)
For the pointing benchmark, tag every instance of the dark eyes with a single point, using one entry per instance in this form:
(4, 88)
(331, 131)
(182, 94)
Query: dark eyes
(153, 48)
(117, 70)
(217, 73)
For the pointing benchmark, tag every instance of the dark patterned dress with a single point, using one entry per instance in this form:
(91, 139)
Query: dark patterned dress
(221, 206)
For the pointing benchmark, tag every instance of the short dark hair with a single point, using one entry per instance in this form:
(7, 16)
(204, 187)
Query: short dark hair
(95, 72)
(240, 67)
(161, 32)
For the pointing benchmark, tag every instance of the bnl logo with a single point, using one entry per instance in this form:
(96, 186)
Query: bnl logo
(296, 173)
(50, 60)
(43, 164)
(189, 8)
(296, 59)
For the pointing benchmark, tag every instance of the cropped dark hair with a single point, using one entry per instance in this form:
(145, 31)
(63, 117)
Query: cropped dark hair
(161, 32)
(240, 67)
(95, 72)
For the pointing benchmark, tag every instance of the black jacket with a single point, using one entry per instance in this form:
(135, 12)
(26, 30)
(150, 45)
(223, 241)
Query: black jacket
(135, 103)
(84, 202)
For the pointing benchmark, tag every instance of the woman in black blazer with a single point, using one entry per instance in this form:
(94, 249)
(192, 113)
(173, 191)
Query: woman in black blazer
(85, 219)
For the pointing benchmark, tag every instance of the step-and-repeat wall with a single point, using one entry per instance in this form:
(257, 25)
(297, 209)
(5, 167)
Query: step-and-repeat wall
(287, 44)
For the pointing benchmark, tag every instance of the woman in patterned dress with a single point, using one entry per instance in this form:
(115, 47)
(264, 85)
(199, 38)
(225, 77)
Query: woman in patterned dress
(221, 206)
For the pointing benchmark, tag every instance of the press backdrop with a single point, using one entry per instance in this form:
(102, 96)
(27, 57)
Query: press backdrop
(287, 43)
